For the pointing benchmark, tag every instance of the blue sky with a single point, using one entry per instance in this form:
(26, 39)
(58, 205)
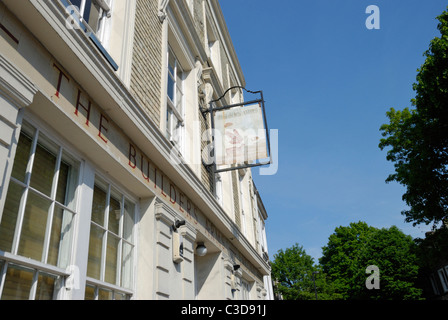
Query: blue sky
(328, 82)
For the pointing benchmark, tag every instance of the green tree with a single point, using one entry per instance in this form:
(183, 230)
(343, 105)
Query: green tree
(293, 271)
(418, 138)
(432, 253)
(395, 255)
(433, 248)
(340, 257)
(350, 250)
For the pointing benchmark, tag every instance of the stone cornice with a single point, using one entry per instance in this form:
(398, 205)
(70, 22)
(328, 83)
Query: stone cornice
(15, 85)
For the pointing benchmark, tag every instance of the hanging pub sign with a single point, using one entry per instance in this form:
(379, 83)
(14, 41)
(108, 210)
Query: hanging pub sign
(240, 134)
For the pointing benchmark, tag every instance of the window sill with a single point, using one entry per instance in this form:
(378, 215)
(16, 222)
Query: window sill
(33, 264)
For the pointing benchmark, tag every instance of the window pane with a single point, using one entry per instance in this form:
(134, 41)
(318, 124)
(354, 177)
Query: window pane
(177, 133)
(169, 126)
(9, 219)
(90, 293)
(114, 214)
(92, 13)
(22, 157)
(171, 85)
(179, 76)
(119, 296)
(62, 183)
(43, 170)
(45, 287)
(179, 98)
(33, 228)
(128, 220)
(171, 63)
(112, 259)
(104, 294)
(126, 269)
(86, 13)
(99, 205)
(68, 181)
(60, 239)
(17, 283)
(95, 248)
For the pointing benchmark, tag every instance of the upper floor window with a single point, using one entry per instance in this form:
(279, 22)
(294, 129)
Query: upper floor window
(190, 4)
(214, 49)
(242, 199)
(93, 17)
(175, 102)
(94, 13)
(218, 188)
(443, 276)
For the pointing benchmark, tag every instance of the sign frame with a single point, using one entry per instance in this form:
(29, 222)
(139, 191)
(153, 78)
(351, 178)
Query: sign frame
(212, 111)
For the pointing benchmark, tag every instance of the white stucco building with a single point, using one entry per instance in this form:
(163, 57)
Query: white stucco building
(94, 112)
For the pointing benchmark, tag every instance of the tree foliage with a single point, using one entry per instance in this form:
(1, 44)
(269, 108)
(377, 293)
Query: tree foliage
(418, 137)
(340, 258)
(293, 271)
(350, 250)
(433, 248)
(395, 255)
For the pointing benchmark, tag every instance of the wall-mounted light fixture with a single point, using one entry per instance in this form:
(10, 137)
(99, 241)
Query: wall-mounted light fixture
(178, 224)
(201, 249)
(233, 280)
(178, 242)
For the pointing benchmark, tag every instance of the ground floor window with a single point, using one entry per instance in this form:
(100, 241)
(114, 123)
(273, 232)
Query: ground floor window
(245, 288)
(37, 220)
(111, 246)
(24, 283)
(99, 293)
(37, 229)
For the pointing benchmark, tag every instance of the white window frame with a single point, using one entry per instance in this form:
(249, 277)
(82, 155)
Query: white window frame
(68, 278)
(443, 278)
(104, 17)
(214, 48)
(175, 115)
(218, 189)
(245, 289)
(264, 246)
(190, 4)
(42, 267)
(101, 284)
(254, 213)
(242, 205)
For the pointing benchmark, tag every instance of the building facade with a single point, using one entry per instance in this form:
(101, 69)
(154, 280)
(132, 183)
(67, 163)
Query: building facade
(104, 193)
